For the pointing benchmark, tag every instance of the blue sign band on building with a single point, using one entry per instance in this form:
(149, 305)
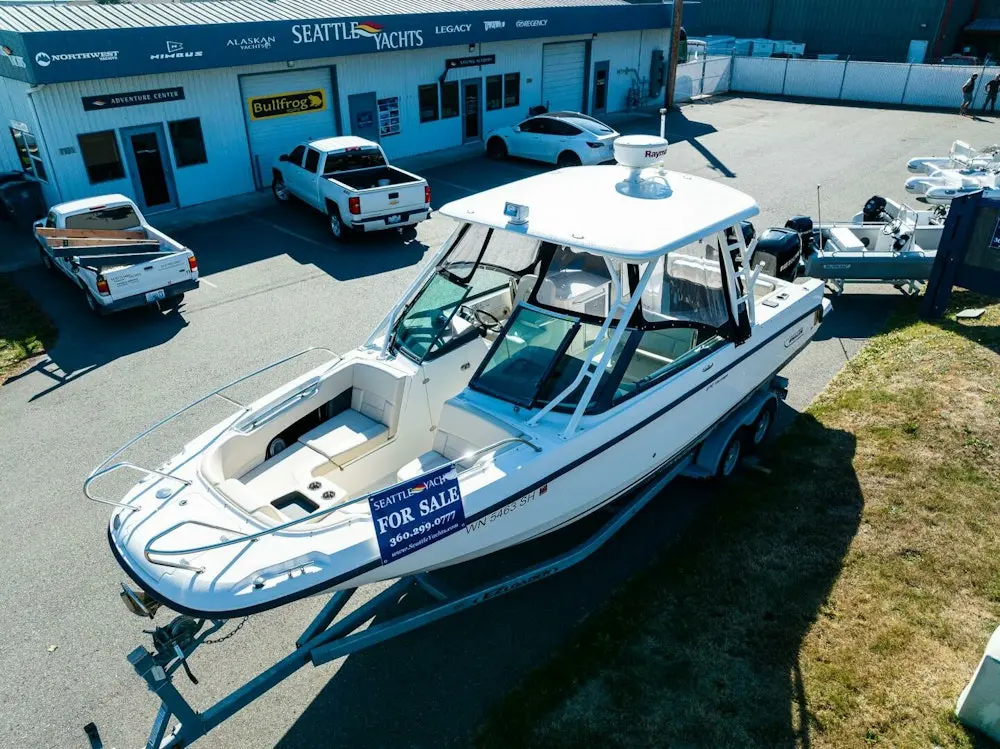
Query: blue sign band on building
(418, 512)
(59, 56)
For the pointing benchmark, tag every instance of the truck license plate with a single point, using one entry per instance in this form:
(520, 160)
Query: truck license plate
(395, 219)
(155, 296)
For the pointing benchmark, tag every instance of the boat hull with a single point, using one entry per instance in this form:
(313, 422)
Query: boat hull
(521, 495)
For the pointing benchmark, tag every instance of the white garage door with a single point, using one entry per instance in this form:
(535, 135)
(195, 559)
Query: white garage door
(283, 109)
(562, 75)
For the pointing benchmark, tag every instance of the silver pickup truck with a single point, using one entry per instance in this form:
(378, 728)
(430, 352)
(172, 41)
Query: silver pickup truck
(105, 246)
(349, 179)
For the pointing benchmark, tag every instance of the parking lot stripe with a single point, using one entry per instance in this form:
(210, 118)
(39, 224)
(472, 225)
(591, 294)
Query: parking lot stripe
(208, 283)
(463, 188)
(289, 232)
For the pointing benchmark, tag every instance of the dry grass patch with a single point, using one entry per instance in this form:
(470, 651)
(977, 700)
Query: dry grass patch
(842, 601)
(25, 330)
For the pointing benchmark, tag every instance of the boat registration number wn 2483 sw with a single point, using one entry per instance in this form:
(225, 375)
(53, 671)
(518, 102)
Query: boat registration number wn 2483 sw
(415, 513)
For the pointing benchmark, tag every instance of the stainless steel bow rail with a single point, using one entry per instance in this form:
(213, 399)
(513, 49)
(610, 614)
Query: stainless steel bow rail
(104, 469)
(328, 638)
(244, 538)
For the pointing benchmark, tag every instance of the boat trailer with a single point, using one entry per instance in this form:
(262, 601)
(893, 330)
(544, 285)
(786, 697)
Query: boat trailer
(328, 638)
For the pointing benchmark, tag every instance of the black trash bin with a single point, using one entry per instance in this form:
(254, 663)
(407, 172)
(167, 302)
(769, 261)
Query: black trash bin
(22, 201)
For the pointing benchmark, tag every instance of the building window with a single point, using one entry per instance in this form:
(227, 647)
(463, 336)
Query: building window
(449, 99)
(494, 92)
(28, 154)
(188, 143)
(512, 89)
(101, 157)
(427, 97)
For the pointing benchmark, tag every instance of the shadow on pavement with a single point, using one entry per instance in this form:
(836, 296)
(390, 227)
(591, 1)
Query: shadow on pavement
(86, 342)
(859, 316)
(434, 686)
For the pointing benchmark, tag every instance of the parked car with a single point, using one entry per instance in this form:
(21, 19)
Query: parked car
(106, 247)
(563, 138)
(350, 180)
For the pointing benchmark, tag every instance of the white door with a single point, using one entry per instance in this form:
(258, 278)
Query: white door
(917, 52)
(284, 109)
(563, 69)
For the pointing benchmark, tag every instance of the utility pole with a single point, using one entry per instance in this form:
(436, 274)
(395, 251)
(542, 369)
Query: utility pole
(675, 44)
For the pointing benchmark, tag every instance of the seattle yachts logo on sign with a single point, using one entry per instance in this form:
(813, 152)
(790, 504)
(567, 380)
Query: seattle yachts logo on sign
(15, 60)
(253, 42)
(280, 105)
(175, 50)
(45, 59)
(410, 515)
(457, 28)
(532, 23)
(493, 25)
(339, 31)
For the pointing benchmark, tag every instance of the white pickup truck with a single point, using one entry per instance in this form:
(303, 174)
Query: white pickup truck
(105, 246)
(349, 179)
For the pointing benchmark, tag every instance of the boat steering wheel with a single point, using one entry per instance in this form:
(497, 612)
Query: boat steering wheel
(892, 227)
(484, 320)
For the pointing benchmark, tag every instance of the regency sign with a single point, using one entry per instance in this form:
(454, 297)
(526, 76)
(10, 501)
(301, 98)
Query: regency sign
(282, 105)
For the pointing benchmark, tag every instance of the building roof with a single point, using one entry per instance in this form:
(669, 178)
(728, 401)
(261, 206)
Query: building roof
(72, 42)
(584, 207)
(89, 17)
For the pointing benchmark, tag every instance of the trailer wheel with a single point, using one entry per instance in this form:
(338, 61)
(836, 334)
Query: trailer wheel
(762, 426)
(730, 459)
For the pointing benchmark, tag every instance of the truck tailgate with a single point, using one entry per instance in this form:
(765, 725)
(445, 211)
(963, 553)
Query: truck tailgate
(392, 199)
(148, 276)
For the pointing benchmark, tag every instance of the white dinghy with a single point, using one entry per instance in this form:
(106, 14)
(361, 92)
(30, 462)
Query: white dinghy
(961, 156)
(581, 331)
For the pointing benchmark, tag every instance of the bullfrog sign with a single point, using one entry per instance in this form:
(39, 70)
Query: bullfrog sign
(417, 512)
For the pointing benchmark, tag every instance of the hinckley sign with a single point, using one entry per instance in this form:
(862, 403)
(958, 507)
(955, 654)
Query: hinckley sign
(132, 98)
(470, 62)
(282, 105)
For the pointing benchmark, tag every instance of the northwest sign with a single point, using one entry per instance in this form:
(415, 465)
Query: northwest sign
(418, 512)
(340, 31)
(16, 60)
(280, 105)
(470, 62)
(44, 59)
(132, 98)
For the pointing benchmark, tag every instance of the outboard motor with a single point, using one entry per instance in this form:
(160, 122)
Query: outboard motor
(874, 209)
(779, 250)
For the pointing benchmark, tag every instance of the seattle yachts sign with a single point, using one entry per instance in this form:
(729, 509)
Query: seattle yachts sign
(338, 31)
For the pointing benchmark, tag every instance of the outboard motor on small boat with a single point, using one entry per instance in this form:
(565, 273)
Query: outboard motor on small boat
(874, 209)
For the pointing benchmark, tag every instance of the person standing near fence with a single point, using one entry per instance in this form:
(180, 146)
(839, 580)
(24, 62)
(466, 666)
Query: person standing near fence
(968, 89)
(992, 87)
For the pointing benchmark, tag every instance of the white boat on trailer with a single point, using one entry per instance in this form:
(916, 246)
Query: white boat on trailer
(580, 331)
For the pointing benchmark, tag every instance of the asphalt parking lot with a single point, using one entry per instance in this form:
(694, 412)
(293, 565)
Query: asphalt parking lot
(273, 283)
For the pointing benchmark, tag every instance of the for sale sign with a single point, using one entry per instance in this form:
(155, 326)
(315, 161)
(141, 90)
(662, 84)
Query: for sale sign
(418, 512)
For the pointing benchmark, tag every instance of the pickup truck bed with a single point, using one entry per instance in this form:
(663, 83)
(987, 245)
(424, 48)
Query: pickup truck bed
(365, 179)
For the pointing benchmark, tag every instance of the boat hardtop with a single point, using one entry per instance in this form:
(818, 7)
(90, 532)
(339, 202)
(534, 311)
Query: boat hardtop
(578, 333)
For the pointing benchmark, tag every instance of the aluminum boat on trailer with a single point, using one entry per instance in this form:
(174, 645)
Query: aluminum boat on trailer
(580, 332)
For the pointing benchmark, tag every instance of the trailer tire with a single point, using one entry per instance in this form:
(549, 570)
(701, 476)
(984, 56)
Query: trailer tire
(761, 426)
(729, 461)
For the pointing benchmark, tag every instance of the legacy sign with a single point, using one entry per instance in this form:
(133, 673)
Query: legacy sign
(132, 98)
(281, 105)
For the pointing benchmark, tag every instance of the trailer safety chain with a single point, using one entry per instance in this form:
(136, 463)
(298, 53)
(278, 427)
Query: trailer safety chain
(225, 637)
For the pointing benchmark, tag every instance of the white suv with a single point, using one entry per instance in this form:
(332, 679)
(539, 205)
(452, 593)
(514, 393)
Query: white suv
(563, 138)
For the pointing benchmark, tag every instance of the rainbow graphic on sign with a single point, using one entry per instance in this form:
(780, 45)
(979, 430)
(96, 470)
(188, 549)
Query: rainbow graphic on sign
(417, 488)
(368, 28)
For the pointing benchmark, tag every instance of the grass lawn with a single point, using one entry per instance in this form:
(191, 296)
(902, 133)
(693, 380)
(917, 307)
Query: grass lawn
(25, 330)
(843, 600)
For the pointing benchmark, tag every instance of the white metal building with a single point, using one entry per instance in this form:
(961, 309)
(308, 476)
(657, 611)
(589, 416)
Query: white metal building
(181, 104)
